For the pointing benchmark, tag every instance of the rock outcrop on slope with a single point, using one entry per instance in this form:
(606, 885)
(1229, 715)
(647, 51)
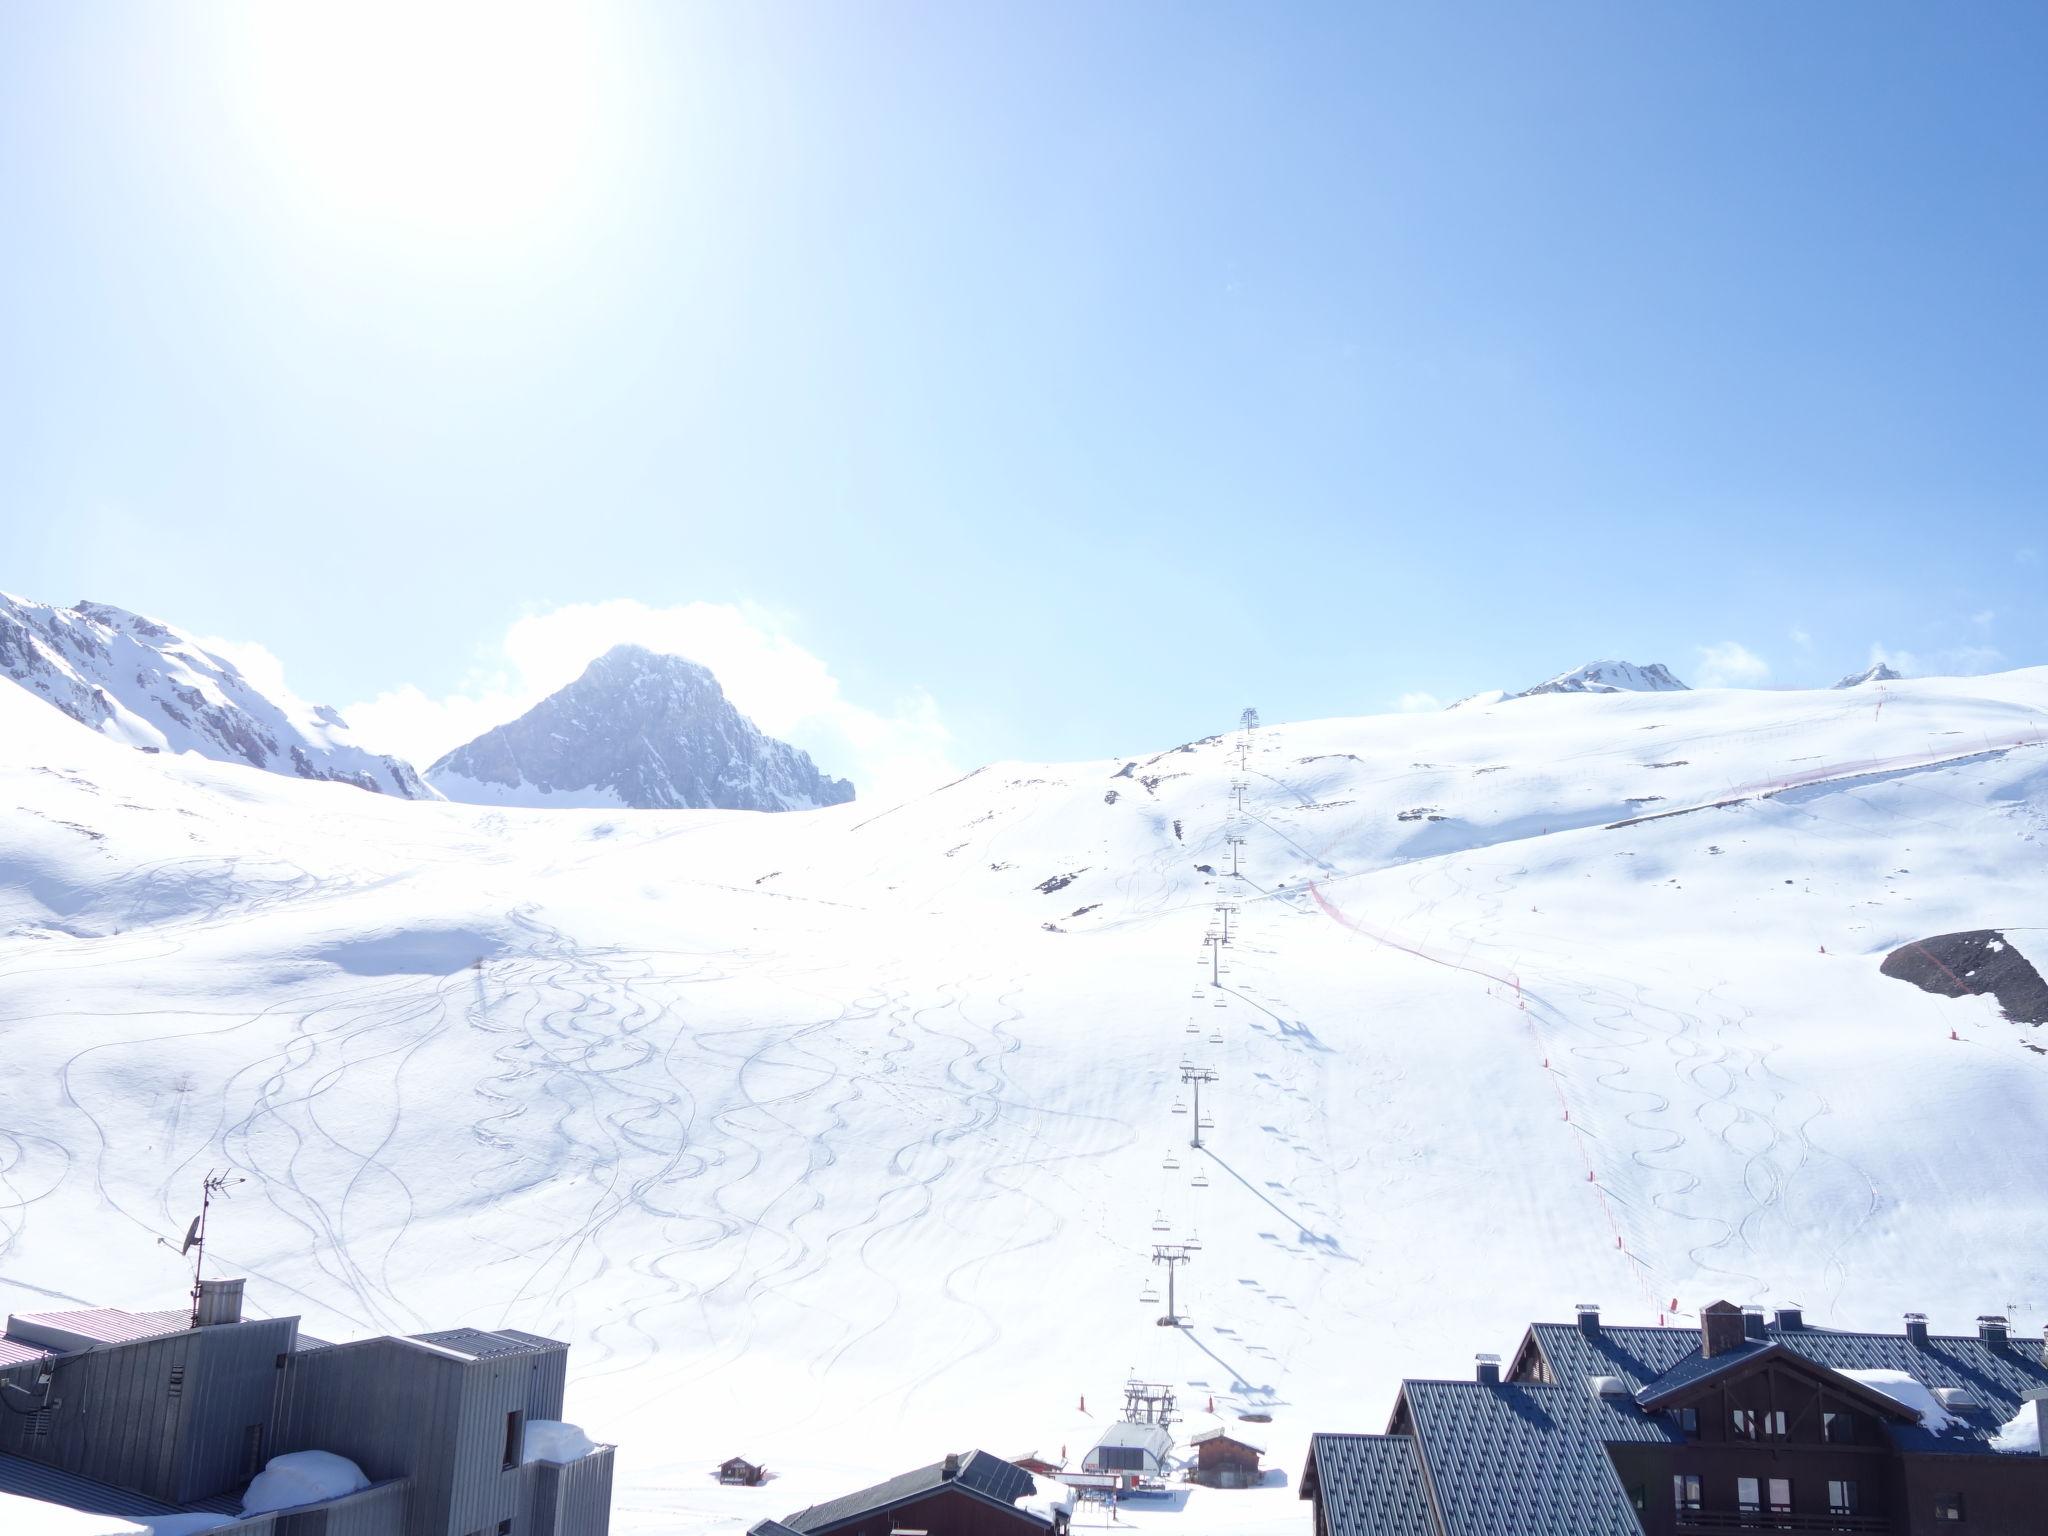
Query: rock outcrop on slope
(641, 730)
(156, 688)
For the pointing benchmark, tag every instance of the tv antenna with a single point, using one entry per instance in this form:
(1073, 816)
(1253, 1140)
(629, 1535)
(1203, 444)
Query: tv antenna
(1172, 1255)
(1197, 1076)
(195, 1235)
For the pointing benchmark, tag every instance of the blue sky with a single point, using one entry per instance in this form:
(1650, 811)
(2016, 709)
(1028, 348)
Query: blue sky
(1037, 380)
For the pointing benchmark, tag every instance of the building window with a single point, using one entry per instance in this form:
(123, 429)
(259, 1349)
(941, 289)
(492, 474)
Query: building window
(1842, 1496)
(1774, 1424)
(177, 1381)
(1948, 1506)
(515, 1438)
(1685, 1492)
(1838, 1428)
(1749, 1495)
(1688, 1422)
(1781, 1495)
(1742, 1423)
(504, 1528)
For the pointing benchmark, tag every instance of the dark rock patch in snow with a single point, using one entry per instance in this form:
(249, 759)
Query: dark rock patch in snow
(1967, 964)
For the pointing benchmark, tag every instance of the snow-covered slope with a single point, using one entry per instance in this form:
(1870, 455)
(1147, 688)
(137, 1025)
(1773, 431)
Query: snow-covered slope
(841, 1139)
(144, 683)
(642, 730)
(1610, 677)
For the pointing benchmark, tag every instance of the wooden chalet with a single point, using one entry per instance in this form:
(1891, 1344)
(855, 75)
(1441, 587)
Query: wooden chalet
(1596, 1430)
(1036, 1465)
(741, 1473)
(1227, 1459)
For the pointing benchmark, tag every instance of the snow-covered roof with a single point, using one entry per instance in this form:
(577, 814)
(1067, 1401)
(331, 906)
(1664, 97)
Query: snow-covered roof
(32, 1517)
(1228, 1432)
(1156, 1438)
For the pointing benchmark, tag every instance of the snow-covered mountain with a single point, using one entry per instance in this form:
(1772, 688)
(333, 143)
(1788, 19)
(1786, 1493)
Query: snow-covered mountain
(144, 683)
(1610, 677)
(840, 1139)
(642, 730)
(1877, 672)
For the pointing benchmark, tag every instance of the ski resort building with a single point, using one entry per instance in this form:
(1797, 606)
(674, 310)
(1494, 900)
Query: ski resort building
(140, 1415)
(1227, 1458)
(972, 1495)
(1738, 1424)
(1139, 1448)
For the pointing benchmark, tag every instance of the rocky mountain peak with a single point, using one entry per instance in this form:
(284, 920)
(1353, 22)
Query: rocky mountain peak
(155, 687)
(1610, 677)
(638, 729)
(1878, 672)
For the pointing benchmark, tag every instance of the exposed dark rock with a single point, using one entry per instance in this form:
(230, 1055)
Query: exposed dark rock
(1982, 960)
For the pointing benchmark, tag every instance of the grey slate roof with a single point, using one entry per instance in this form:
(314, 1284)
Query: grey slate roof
(1999, 1375)
(1524, 1457)
(988, 1477)
(1371, 1485)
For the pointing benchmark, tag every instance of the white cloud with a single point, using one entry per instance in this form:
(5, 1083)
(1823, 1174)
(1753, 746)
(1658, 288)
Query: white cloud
(1729, 664)
(1984, 619)
(1418, 703)
(785, 689)
(1954, 661)
(1801, 638)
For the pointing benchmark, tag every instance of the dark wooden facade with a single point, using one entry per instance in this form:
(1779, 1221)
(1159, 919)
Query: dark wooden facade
(1817, 1458)
(741, 1473)
(1221, 1462)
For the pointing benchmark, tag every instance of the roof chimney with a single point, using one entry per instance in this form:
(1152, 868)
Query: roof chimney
(1916, 1329)
(216, 1301)
(1720, 1328)
(1753, 1322)
(950, 1467)
(1790, 1318)
(1992, 1330)
(1489, 1370)
(1589, 1317)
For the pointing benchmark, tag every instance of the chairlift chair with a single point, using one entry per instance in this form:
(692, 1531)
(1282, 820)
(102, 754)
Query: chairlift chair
(1205, 1124)
(1217, 1038)
(1179, 1108)
(1200, 1181)
(1149, 1296)
(1194, 1242)
(1160, 1223)
(1194, 1028)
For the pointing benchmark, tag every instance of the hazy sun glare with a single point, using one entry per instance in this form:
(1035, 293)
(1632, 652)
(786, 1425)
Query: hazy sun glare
(447, 120)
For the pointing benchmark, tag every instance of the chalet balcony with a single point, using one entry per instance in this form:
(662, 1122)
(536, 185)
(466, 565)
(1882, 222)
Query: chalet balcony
(1707, 1521)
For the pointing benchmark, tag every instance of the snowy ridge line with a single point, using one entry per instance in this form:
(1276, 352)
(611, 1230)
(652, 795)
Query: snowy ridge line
(1834, 773)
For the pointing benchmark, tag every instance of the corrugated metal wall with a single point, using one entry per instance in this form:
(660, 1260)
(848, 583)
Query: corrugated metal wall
(379, 1511)
(572, 1498)
(397, 1410)
(162, 1416)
